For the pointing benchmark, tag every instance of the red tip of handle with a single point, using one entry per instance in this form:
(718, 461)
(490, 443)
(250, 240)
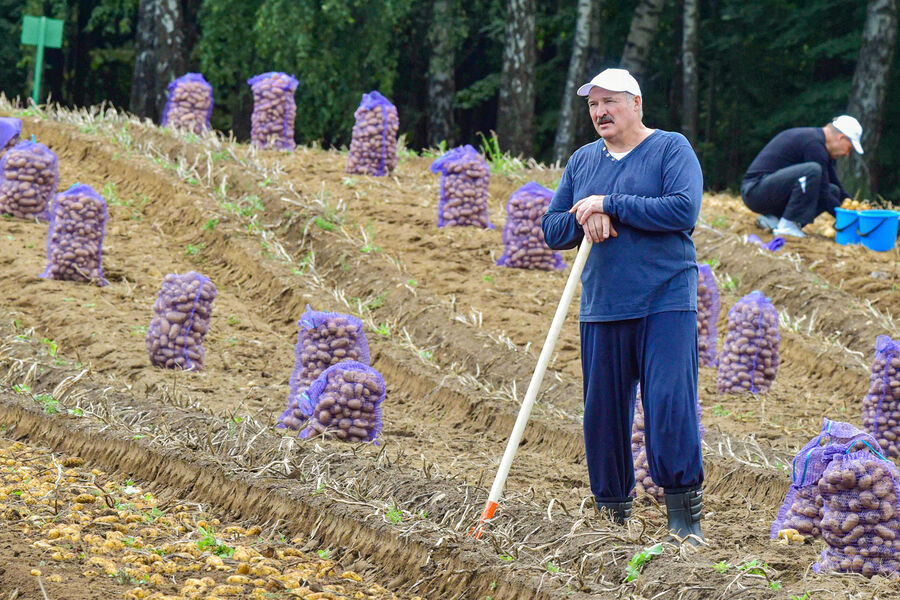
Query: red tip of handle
(489, 509)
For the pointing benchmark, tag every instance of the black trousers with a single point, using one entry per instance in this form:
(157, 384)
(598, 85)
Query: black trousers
(794, 193)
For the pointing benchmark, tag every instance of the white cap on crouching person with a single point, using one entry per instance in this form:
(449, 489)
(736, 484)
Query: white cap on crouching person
(851, 128)
(617, 80)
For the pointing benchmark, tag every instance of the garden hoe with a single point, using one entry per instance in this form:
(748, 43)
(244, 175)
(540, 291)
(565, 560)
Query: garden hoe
(536, 379)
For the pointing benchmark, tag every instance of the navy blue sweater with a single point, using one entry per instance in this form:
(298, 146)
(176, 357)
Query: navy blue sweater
(793, 147)
(653, 196)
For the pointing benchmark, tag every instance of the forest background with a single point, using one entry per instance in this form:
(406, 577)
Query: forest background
(729, 74)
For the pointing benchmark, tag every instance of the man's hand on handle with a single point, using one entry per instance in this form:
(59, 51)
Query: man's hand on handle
(589, 214)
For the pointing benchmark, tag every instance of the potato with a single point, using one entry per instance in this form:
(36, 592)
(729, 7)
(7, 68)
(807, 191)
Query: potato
(10, 129)
(75, 238)
(189, 104)
(749, 359)
(707, 315)
(859, 528)
(644, 483)
(464, 188)
(181, 319)
(337, 406)
(323, 339)
(274, 110)
(30, 172)
(523, 237)
(373, 147)
(881, 405)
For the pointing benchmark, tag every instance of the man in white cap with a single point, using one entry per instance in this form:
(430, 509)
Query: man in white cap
(792, 180)
(635, 192)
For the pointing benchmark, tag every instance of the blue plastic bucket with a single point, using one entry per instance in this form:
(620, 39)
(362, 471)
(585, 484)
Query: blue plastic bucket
(845, 224)
(878, 229)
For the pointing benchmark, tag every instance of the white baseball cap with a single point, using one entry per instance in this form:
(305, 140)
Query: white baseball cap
(614, 80)
(851, 128)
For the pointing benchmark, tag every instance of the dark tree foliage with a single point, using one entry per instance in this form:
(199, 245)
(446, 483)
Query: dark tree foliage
(763, 66)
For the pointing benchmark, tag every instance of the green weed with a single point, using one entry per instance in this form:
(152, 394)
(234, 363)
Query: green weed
(637, 562)
(209, 542)
(51, 346)
(324, 224)
(719, 222)
(49, 404)
(506, 557)
(324, 554)
(211, 224)
(720, 412)
(383, 330)
(193, 250)
(377, 301)
(394, 515)
(552, 568)
(21, 388)
(720, 567)
(731, 283)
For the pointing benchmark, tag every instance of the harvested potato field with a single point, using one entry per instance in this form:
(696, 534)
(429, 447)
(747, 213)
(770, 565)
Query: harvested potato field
(455, 338)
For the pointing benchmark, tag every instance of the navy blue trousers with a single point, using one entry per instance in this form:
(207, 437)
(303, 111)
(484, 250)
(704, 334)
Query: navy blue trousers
(659, 352)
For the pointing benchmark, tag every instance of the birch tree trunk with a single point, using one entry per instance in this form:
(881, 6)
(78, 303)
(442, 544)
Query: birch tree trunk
(515, 113)
(691, 80)
(640, 37)
(565, 129)
(159, 55)
(441, 68)
(867, 94)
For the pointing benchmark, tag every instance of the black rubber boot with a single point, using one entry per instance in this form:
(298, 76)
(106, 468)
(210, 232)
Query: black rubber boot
(619, 512)
(684, 510)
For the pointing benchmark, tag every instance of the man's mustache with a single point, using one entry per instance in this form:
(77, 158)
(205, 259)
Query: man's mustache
(604, 119)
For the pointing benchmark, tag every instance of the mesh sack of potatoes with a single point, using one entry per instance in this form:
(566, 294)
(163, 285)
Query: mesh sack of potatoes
(75, 236)
(323, 340)
(180, 321)
(881, 405)
(464, 188)
(274, 110)
(643, 481)
(373, 148)
(803, 505)
(707, 315)
(345, 402)
(10, 130)
(523, 238)
(189, 105)
(859, 522)
(749, 358)
(29, 172)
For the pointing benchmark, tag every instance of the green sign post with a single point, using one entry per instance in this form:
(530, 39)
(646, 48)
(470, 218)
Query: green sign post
(43, 33)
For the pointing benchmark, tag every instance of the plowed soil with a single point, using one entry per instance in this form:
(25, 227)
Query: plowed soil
(455, 337)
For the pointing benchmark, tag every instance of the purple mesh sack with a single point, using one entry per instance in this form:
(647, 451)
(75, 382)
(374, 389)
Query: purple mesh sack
(345, 401)
(859, 522)
(323, 340)
(803, 504)
(464, 188)
(881, 406)
(373, 148)
(180, 321)
(190, 104)
(274, 110)
(707, 315)
(75, 237)
(749, 358)
(523, 238)
(29, 173)
(10, 130)
(643, 482)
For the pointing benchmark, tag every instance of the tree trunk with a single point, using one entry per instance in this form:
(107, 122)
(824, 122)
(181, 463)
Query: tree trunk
(565, 129)
(867, 94)
(159, 55)
(515, 113)
(441, 82)
(640, 37)
(691, 80)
